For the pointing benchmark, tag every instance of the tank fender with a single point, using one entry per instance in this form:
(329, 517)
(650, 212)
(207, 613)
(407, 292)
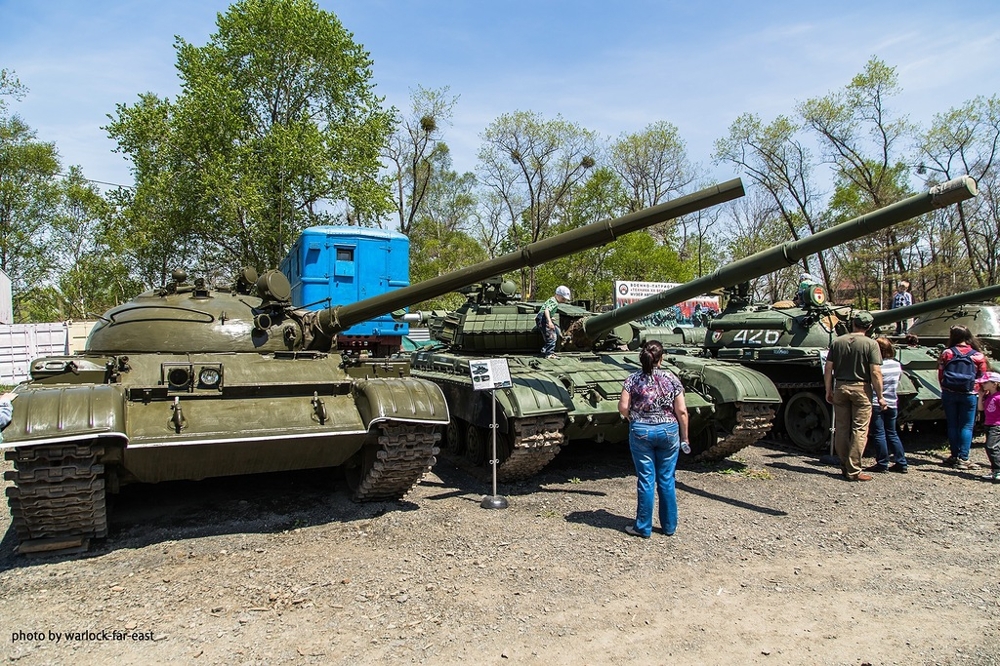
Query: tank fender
(408, 399)
(54, 414)
(726, 382)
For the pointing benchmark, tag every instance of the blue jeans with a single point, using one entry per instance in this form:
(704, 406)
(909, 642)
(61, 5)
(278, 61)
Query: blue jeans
(654, 452)
(550, 338)
(885, 437)
(960, 412)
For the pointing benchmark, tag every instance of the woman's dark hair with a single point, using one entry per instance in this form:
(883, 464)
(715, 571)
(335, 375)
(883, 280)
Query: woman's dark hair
(885, 346)
(961, 335)
(650, 356)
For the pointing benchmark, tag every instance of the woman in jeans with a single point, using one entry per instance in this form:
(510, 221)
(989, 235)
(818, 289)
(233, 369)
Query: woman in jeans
(883, 424)
(653, 402)
(960, 405)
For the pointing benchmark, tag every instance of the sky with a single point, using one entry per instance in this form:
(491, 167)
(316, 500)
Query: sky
(611, 67)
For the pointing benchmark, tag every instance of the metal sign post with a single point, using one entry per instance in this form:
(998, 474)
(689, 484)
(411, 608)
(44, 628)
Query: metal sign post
(491, 374)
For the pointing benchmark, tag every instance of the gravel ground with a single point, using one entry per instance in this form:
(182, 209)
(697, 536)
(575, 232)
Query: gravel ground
(777, 560)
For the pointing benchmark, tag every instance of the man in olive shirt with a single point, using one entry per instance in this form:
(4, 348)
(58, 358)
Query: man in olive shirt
(853, 370)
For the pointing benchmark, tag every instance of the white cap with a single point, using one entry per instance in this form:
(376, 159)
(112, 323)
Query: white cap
(562, 290)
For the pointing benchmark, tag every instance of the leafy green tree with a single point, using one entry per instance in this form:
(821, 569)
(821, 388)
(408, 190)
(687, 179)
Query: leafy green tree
(29, 195)
(277, 127)
(866, 145)
(416, 152)
(92, 278)
(531, 165)
(652, 164)
(965, 241)
(777, 161)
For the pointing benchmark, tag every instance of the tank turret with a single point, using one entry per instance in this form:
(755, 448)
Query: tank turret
(980, 315)
(189, 381)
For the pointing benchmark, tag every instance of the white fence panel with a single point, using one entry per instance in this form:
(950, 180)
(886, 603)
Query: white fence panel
(21, 343)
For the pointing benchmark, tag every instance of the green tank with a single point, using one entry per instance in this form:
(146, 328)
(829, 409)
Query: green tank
(981, 316)
(189, 381)
(575, 396)
(789, 343)
(919, 392)
(554, 401)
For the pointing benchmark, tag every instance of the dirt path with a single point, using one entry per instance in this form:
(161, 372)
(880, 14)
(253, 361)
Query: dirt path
(776, 561)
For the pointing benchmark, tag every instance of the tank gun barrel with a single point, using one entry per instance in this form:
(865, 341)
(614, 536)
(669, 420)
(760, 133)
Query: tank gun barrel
(335, 319)
(780, 256)
(917, 309)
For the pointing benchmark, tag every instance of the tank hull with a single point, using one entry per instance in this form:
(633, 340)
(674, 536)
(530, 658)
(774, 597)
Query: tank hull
(575, 397)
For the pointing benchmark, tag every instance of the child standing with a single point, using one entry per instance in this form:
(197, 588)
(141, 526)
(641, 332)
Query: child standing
(989, 405)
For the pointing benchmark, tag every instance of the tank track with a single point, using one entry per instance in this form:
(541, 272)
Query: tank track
(406, 452)
(753, 421)
(58, 496)
(536, 443)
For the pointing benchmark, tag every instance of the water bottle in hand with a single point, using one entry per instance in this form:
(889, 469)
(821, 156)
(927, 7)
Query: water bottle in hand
(685, 447)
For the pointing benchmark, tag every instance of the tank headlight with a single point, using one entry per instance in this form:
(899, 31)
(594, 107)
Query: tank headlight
(209, 377)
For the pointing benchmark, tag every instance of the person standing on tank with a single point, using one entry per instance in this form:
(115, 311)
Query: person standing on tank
(546, 319)
(852, 375)
(901, 299)
(884, 434)
(653, 402)
(960, 366)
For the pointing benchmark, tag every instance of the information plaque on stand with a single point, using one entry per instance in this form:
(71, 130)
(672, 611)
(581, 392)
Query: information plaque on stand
(489, 374)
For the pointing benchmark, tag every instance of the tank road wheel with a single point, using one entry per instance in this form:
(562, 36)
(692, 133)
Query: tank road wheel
(477, 445)
(454, 440)
(807, 421)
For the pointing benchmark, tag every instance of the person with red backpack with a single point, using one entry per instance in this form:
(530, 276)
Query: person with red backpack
(959, 368)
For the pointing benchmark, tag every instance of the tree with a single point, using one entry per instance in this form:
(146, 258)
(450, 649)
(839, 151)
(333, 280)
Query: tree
(416, 152)
(777, 161)
(865, 145)
(91, 276)
(29, 195)
(531, 165)
(276, 126)
(652, 164)
(966, 140)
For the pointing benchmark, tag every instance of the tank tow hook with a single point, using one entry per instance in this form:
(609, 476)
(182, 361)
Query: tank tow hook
(178, 418)
(319, 407)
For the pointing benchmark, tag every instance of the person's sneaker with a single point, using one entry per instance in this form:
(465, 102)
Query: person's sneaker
(992, 476)
(876, 468)
(964, 464)
(902, 469)
(949, 461)
(630, 529)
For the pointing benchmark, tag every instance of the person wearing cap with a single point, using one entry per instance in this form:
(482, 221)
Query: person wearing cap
(852, 375)
(989, 405)
(546, 320)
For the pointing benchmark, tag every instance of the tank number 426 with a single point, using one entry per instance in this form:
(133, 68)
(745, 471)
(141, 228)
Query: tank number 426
(752, 337)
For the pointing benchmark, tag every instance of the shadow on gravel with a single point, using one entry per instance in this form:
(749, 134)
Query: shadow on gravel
(145, 514)
(600, 518)
(730, 501)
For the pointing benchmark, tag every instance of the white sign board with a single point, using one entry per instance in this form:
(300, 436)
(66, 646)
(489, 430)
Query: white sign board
(685, 313)
(489, 373)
